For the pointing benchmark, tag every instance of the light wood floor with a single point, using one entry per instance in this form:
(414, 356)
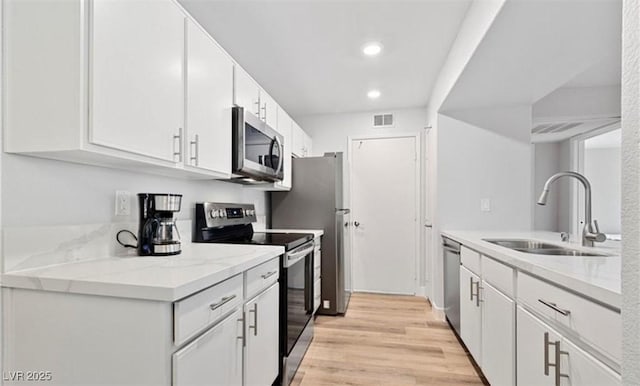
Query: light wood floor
(385, 340)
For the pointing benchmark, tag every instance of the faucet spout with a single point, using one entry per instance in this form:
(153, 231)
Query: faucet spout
(590, 231)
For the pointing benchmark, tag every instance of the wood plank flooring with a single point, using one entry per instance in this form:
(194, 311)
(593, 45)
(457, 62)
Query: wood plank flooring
(385, 340)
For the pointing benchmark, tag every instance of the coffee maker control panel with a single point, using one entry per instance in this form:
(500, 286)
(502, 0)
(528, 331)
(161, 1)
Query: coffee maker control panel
(214, 214)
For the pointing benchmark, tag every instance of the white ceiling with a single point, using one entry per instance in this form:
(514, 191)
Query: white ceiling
(537, 46)
(607, 72)
(307, 53)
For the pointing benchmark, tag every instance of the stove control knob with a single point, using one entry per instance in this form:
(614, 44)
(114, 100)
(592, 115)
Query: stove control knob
(223, 213)
(214, 213)
(245, 212)
(251, 212)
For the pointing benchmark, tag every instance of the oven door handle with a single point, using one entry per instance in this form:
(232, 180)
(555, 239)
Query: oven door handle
(294, 257)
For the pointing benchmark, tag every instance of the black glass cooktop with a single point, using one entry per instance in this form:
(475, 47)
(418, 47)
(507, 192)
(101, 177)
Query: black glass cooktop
(245, 235)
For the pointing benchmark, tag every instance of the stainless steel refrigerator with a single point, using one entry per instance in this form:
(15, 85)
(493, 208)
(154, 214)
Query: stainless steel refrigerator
(319, 200)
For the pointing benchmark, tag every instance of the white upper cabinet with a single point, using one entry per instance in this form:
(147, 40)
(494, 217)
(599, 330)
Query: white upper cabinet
(136, 57)
(297, 143)
(284, 128)
(208, 105)
(307, 145)
(246, 92)
(268, 109)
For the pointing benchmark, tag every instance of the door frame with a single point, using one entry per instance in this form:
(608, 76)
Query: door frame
(418, 214)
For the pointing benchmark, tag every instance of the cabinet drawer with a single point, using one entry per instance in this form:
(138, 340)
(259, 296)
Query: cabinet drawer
(499, 275)
(593, 323)
(260, 277)
(203, 309)
(470, 259)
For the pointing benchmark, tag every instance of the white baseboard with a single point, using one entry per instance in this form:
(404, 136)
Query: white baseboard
(438, 312)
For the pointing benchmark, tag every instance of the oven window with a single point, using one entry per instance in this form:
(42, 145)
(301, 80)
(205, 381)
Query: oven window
(299, 297)
(261, 148)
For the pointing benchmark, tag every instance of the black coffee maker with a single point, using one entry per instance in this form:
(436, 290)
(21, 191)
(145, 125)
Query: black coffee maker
(157, 231)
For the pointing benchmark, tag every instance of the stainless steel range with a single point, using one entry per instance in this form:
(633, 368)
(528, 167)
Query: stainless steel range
(232, 223)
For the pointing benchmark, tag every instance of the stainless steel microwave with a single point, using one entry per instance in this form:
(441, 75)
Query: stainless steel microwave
(257, 148)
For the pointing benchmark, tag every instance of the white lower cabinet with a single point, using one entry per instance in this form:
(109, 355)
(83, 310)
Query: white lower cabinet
(213, 358)
(471, 313)
(261, 331)
(540, 348)
(498, 336)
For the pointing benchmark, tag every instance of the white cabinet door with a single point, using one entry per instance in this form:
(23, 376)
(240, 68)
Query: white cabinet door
(137, 88)
(215, 358)
(531, 350)
(284, 128)
(262, 331)
(470, 313)
(268, 109)
(246, 91)
(209, 101)
(308, 144)
(297, 145)
(583, 369)
(498, 337)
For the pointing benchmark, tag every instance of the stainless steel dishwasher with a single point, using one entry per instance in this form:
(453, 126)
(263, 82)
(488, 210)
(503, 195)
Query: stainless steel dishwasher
(451, 255)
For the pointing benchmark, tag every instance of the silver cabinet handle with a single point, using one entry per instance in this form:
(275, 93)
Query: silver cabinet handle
(243, 337)
(356, 224)
(477, 294)
(255, 319)
(257, 103)
(269, 274)
(195, 150)
(222, 302)
(557, 352)
(264, 108)
(178, 137)
(555, 307)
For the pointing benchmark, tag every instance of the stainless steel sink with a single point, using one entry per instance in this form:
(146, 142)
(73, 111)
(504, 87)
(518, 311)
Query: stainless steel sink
(539, 248)
(524, 244)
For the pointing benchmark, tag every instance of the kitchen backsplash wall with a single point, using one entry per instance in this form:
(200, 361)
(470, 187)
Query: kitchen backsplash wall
(39, 192)
(69, 209)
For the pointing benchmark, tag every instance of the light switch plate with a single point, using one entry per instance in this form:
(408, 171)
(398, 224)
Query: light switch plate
(485, 205)
(123, 203)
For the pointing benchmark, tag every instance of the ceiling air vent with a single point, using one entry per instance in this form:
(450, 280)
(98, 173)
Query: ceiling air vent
(383, 120)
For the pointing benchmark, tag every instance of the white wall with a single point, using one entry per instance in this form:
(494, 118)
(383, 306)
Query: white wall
(631, 192)
(476, 163)
(40, 192)
(330, 132)
(602, 168)
(546, 163)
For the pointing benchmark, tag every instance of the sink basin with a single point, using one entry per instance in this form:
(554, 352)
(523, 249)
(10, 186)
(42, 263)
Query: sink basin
(539, 248)
(524, 244)
(557, 252)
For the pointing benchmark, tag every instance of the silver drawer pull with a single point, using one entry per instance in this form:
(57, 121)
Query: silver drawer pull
(255, 319)
(555, 307)
(222, 302)
(547, 363)
(269, 274)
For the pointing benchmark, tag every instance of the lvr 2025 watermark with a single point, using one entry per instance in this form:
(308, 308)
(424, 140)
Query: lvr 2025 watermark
(27, 376)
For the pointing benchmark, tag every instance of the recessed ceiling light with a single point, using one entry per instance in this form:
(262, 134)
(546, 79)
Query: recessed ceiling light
(372, 49)
(373, 94)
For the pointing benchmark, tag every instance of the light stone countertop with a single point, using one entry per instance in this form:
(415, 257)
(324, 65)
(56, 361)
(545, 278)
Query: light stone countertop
(597, 277)
(161, 278)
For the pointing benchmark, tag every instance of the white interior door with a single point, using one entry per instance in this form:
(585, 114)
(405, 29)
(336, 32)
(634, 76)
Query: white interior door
(384, 184)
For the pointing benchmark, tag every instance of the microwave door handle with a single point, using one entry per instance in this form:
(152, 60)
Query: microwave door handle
(281, 158)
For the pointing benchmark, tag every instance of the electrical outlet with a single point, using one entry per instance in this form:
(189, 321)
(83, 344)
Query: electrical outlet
(485, 205)
(326, 304)
(123, 203)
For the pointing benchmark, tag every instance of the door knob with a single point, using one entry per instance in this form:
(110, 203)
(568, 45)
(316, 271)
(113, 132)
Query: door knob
(357, 224)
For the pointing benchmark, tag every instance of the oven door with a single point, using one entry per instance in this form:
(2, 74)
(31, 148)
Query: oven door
(257, 148)
(297, 291)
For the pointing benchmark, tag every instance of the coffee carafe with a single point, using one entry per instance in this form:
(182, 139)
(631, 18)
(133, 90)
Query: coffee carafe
(157, 232)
